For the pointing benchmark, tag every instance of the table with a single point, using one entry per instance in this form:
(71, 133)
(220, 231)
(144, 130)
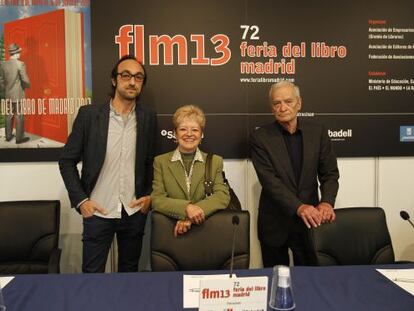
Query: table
(350, 288)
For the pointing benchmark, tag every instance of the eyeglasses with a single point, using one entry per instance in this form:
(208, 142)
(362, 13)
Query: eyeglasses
(126, 76)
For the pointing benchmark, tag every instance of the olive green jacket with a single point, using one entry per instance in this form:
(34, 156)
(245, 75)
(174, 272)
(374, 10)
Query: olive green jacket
(169, 191)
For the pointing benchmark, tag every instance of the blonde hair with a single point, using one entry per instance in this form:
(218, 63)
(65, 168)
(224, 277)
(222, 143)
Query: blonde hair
(189, 112)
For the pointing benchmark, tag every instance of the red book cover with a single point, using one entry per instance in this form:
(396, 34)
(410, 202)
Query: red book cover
(52, 50)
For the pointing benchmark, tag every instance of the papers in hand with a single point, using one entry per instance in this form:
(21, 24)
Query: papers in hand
(191, 288)
(404, 278)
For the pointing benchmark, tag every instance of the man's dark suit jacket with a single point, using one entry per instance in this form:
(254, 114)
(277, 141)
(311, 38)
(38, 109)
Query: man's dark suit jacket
(281, 195)
(87, 143)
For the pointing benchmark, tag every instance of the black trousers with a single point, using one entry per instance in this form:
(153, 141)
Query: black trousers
(298, 244)
(98, 234)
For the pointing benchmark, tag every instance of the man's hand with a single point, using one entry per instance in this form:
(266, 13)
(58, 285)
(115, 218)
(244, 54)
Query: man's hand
(327, 212)
(89, 207)
(181, 227)
(195, 214)
(143, 202)
(310, 215)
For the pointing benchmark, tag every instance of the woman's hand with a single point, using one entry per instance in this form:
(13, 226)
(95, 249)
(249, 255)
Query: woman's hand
(181, 227)
(195, 214)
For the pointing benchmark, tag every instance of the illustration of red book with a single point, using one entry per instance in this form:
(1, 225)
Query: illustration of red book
(52, 49)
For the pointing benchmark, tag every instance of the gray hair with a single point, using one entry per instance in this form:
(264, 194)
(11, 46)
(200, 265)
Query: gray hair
(281, 84)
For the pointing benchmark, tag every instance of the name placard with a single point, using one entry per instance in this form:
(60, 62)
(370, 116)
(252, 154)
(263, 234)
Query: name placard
(234, 294)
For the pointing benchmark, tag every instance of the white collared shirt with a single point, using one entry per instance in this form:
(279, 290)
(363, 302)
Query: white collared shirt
(115, 186)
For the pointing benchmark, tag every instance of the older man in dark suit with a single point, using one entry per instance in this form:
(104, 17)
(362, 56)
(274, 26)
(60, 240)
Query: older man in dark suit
(13, 81)
(115, 142)
(291, 156)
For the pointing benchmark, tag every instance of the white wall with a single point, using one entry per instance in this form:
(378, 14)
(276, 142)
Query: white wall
(384, 182)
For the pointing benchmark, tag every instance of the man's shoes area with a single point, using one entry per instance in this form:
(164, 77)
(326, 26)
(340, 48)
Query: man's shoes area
(23, 140)
(9, 138)
(20, 141)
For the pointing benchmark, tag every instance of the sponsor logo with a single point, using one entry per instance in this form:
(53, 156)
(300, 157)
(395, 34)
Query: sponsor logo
(340, 135)
(168, 134)
(407, 133)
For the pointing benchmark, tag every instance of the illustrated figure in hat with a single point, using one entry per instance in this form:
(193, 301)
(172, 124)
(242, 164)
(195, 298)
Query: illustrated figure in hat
(13, 81)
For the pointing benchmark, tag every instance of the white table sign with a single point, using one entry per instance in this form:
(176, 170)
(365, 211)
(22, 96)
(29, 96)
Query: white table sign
(191, 288)
(5, 280)
(235, 294)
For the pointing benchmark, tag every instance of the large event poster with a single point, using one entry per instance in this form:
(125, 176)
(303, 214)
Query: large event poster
(353, 60)
(45, 75)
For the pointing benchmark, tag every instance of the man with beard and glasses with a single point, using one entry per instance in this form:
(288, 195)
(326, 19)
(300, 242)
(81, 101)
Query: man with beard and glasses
(115, 142)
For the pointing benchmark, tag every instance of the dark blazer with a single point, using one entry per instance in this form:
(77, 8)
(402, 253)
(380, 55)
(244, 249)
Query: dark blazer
(87, 143)
(281, 195)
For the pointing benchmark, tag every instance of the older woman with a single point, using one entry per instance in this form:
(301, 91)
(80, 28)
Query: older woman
(178, 186)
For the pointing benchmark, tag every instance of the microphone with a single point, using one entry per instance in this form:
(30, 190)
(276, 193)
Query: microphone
(404, 215)
(235, 221)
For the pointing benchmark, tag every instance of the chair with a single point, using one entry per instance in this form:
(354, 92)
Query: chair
(29, 234)
(359, 236)
(204, 247)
